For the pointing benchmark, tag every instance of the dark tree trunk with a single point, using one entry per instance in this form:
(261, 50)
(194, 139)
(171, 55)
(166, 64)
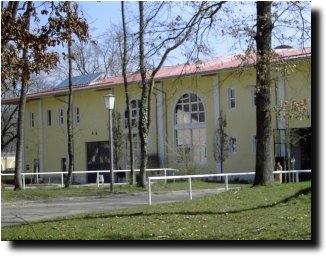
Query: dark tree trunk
(124, 74)
(19, 167)
(70, 121)
(143, 115)
(264, 155)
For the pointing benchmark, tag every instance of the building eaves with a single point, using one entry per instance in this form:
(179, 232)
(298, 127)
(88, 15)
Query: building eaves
(211, 66)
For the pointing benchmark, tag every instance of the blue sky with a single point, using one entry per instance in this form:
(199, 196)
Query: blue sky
(100, 14)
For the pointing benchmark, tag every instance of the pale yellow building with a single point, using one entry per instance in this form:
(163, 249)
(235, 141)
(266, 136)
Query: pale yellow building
(187, 102)
(8, 161)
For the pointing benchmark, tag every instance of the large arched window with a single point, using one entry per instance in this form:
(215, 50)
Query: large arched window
(190, 129)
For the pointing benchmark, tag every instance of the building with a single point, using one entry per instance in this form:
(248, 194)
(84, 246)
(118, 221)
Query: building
(187, 103)
(8, 161)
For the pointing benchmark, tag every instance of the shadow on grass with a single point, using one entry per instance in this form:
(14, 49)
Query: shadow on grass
(102, 216)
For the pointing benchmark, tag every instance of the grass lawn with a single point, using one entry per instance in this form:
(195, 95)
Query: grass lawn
(260, 213)
(50, 192)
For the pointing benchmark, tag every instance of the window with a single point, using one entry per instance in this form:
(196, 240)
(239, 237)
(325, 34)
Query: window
(49, 117)
(77, 115)
(253, 144)
(190, 129)
(232, 145)
(253, 97)
(231, 98)
(60, 116)
(134, 110)
(31, 120)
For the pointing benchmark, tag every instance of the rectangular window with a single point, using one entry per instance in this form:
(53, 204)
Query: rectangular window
(232, 145)
(49, 117)
(231, 98)
(253, 97)
(77, 115)
(60, 116)
(253, 144)
(31, 120)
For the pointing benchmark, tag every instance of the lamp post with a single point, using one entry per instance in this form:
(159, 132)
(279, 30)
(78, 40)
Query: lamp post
(109, 105)
(292, 165)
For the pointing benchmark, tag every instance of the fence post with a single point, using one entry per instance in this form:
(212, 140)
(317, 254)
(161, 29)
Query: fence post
(297, 177)
(149, 191)
(62, 179)
(23, 180)
(190, 189)
(226, 183)
(97, 179)
(165, 175)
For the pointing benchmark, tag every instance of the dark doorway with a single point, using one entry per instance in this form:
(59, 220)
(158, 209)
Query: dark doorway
(98, 158)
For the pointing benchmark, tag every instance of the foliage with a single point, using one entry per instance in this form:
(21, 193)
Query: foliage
(277, 212)
(118, 139)
(295, 109)
(221, 146)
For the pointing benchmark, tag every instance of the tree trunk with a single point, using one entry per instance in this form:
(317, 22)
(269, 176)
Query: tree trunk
(70, 121)
(124, 74)
(19, 167)
(143, 115)
(264, 155)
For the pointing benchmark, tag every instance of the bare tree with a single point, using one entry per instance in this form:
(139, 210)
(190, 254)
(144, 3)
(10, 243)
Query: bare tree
(165, 39)
(79, 27)
(8, 122)
(125, 81)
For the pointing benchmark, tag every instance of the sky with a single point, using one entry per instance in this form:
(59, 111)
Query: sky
(101, 13)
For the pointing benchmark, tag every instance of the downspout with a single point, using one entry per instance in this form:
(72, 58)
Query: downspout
(41, 135)
(218, 166)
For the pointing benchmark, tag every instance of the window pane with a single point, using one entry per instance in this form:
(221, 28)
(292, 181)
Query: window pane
(201, 107)
(202, 117)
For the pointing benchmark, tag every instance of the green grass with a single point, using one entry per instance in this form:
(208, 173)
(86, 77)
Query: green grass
(258, 213)
(51, 192)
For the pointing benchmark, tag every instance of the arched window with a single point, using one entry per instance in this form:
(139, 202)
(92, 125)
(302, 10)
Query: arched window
(190, 129)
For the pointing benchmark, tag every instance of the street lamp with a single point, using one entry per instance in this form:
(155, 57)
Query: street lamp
(292, 165)
(109, 105)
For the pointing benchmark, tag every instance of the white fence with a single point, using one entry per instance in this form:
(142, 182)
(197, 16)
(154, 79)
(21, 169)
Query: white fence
(226, 175)
(163, 171)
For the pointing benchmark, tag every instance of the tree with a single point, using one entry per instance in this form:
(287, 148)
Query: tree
(221, 141)
(165, 38)
(25, 51)
(264, 133)
(125, 81)
(74, 25)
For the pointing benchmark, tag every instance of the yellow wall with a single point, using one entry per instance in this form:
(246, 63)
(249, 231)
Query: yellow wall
(241, 122)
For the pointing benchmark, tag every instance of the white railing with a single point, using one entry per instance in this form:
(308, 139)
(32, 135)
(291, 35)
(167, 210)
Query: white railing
(61, 174)
(226, 175)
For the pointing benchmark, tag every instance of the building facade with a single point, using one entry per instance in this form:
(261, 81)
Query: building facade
(188, 104)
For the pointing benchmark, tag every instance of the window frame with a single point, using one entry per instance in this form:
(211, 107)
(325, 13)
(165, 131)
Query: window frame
(31, 120)
(195, 107)
(60, 116)
(232, 98)
(232, 149)
(49, 117)
(76, 115)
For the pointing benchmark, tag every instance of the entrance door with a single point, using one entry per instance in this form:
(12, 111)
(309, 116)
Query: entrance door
(98, 158)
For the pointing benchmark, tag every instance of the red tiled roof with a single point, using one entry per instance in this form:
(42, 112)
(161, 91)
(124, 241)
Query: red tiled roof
(210, 66)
